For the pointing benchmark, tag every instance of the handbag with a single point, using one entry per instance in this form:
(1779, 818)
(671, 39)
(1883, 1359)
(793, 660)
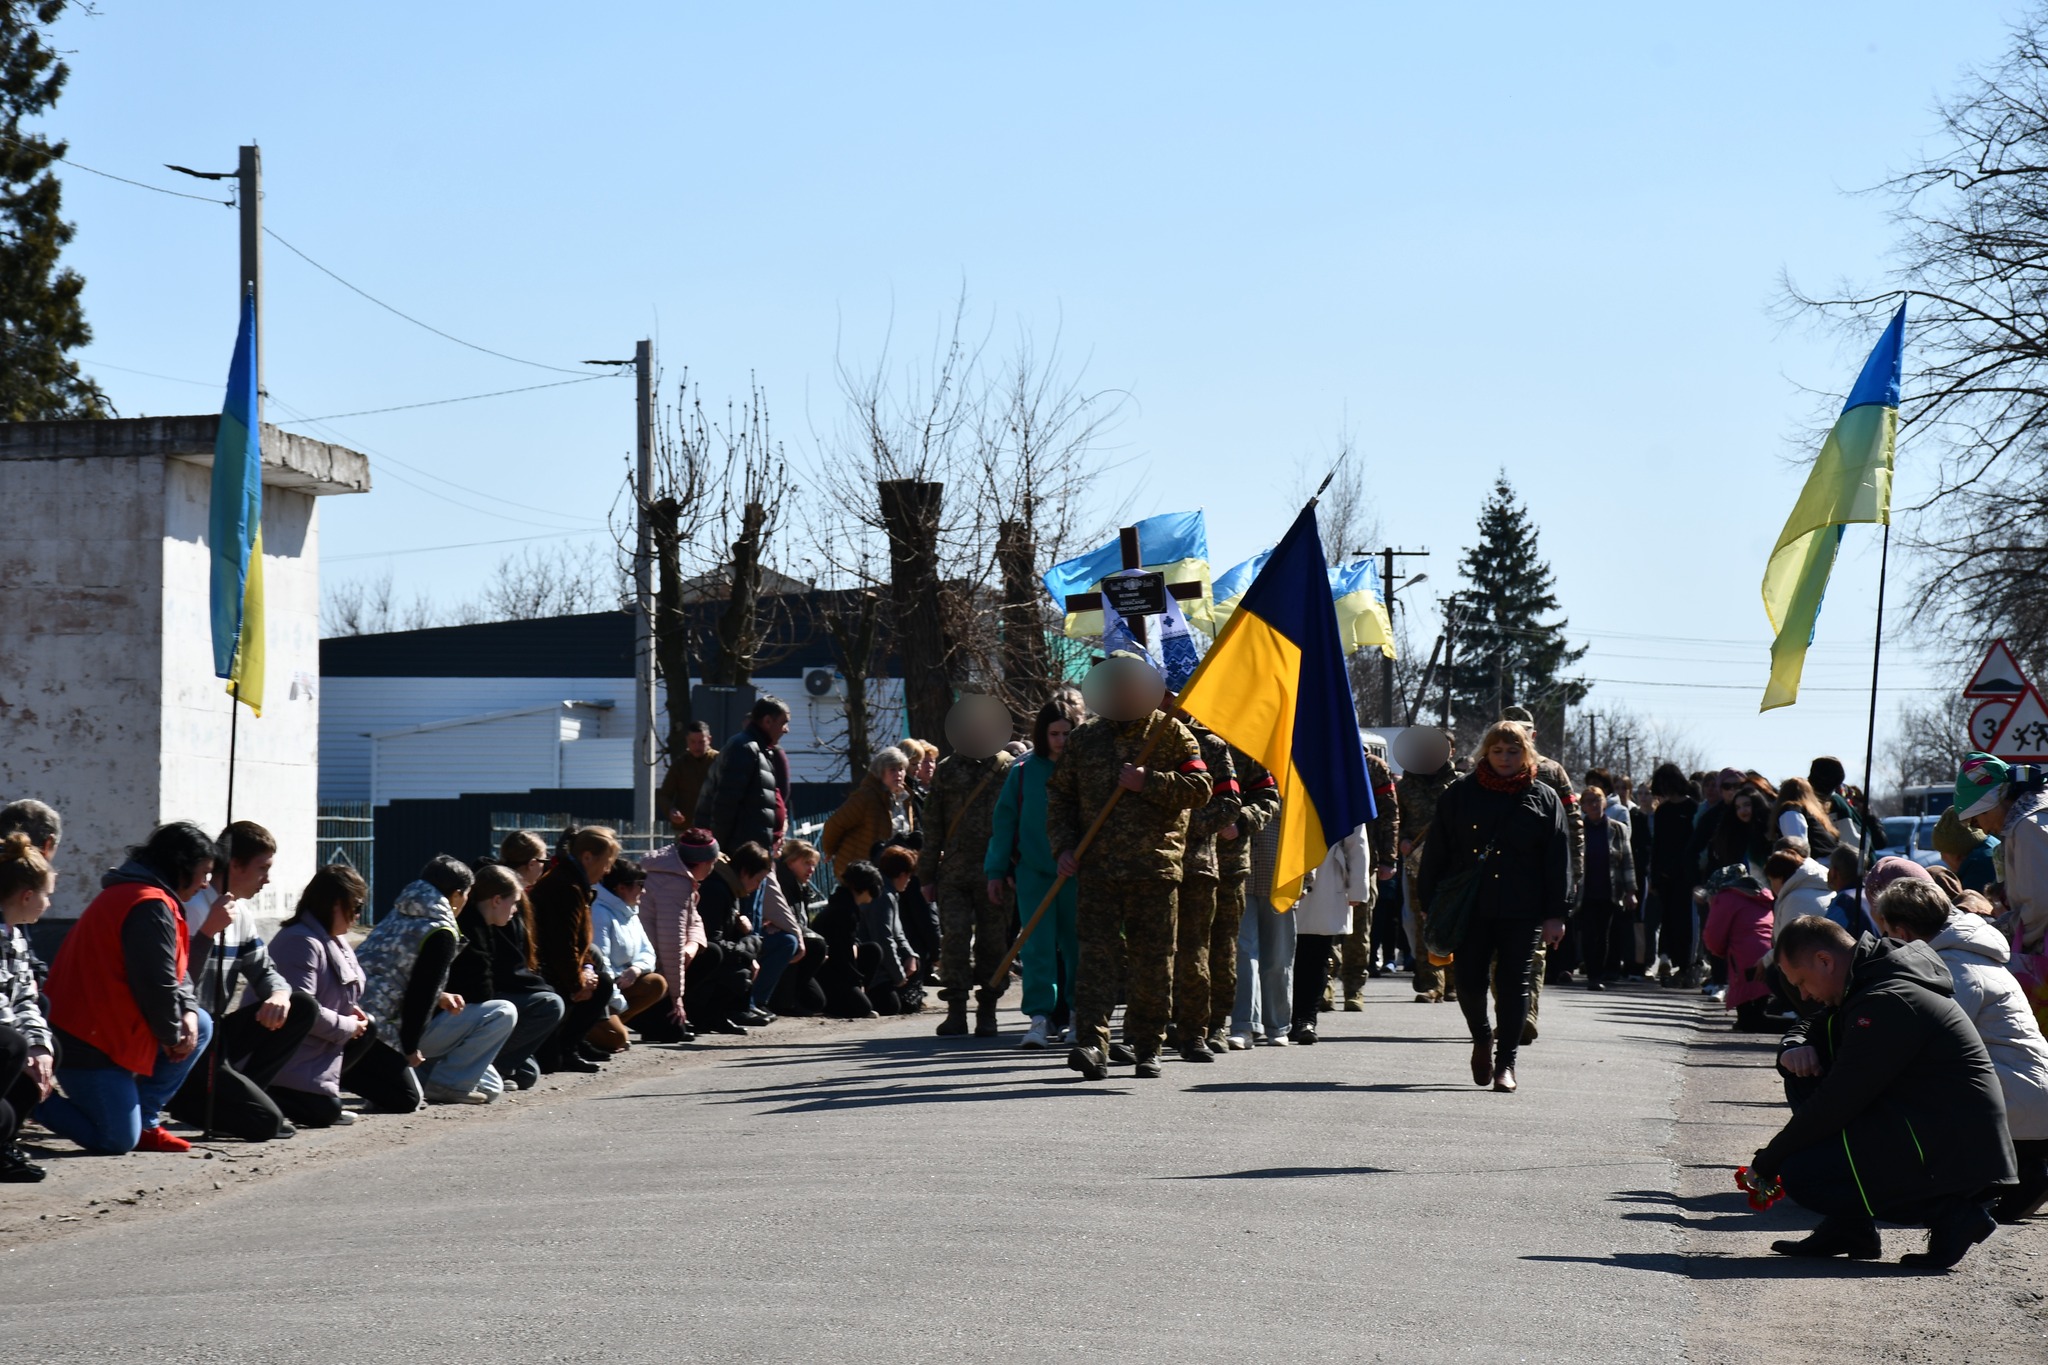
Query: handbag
(2032, 971)
(1449, 912)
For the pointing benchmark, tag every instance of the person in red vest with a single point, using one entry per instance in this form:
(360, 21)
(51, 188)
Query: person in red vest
(128, 1025)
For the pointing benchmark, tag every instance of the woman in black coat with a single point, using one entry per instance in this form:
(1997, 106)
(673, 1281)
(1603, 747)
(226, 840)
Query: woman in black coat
(1671, 874)
(1499, 821)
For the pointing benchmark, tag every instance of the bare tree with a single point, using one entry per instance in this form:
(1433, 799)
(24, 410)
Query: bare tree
(678, 508)
(559, 580)
(371, 607)
(1972, 261)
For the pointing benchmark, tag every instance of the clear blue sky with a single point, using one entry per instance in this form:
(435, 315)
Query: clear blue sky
(1546, 239)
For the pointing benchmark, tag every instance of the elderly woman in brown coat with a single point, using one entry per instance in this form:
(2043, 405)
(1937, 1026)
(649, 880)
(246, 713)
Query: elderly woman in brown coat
(868, 816)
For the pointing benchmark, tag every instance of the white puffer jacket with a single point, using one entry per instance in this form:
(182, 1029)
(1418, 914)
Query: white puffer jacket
(1975, 954)
(1805, 892)
(1344, 879)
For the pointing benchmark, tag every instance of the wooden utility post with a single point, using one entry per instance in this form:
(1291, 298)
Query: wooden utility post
(1133, 558)
(1387, 589)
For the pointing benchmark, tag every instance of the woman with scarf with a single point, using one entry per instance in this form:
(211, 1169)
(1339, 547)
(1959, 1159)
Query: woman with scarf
(1500, 844)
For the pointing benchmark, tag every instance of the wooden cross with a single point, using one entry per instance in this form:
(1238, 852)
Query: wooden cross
(1127, 542)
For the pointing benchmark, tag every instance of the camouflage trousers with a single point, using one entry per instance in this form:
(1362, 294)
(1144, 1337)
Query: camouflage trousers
(1128, 925)
(973, 936)
(1223, 950)
(1195, 944)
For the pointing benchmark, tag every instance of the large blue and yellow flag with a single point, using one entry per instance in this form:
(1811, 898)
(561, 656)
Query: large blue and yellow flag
(1175, 544)
(1275, 685)
(1850, 482)
(235, 526)
(1354, 588)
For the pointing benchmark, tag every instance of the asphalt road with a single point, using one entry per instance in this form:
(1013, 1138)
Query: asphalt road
(895, 1197)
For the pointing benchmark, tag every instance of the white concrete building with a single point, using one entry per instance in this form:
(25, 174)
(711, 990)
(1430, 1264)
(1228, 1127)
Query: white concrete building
(109, 708)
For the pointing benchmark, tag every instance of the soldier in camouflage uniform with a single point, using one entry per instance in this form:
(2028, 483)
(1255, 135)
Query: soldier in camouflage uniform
(1384, 839)
(1552, 774)
(1128, 878)
(1258, 803)
(1417, 795)
(1197, 911)
(974, 931)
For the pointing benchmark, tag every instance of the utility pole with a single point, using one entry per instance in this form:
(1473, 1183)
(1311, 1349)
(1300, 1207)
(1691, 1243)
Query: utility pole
(1388, 585)
(643, 590)
(1450, 652)
(249, 198)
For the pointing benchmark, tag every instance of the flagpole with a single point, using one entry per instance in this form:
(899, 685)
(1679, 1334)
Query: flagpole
(1876, 654)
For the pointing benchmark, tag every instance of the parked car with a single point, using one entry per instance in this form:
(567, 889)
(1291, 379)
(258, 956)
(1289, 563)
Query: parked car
(1908, 836)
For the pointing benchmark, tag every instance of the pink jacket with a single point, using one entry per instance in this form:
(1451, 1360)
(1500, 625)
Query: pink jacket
(668, 911)
(1739, 929)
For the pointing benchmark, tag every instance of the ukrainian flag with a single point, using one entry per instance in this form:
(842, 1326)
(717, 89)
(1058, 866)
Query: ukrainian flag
(1362, 620)
(1175, 544)
(1850, 482)
(1354, 588)
(1274, 684)
(235, 527)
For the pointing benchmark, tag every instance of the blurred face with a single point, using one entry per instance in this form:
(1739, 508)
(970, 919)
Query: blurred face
(245, 879)
(699, 871)
(775, 727)
(802, 868)
(1056, 735)
(751, 882)
(629, 892)
(1745, 806)
(1507, 757)
(343, 915)
(1822, 976)
(498, 910)
(698, 743)
(529, 871)
(1992, 821)
(926, 766)
(900, 882)
(595, 865)
(27, 907)
(893, 779)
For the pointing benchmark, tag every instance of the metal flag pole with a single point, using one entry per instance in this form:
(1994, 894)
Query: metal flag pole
(1876, 654)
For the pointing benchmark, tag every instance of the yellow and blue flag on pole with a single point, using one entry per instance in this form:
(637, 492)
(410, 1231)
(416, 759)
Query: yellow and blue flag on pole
(235, 527)
(1175, 544)
(1354, 588)
(1274, 684)
(1850, 482)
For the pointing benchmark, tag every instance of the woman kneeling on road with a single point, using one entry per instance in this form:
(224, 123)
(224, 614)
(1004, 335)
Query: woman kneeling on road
(1499, 843)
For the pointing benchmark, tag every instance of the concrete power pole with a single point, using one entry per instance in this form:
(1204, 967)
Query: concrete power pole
(249, 198)
(643, 593)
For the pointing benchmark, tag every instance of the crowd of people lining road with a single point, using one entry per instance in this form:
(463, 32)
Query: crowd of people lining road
(1906, 996)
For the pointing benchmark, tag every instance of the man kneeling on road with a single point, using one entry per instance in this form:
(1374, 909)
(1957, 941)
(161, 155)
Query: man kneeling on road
(1896, 1111)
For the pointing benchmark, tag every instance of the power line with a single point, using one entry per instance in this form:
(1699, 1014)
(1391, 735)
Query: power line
(398, 312)
(1740, 687)
(443, 402)
(465, 545)
(56, 155)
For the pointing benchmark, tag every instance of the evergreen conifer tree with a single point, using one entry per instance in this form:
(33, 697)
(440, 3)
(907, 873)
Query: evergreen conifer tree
(40, 314)
(1506, 654)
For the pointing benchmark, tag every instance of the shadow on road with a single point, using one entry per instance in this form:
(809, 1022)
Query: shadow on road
(1320, 1087)
(1286, 1173)
(1734, 1267)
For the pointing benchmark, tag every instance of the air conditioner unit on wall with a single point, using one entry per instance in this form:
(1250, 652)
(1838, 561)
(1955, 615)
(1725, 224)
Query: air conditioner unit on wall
(823, 684)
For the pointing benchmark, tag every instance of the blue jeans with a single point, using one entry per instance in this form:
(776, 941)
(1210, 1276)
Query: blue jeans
(776, 952)
(459, 1047)
(105, 1108)
(1265, 969)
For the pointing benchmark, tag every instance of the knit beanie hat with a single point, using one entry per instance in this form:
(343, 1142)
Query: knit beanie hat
(1978, 783)
(1889, 870)
(1952, 836)
(696, 846)
(1519, 713)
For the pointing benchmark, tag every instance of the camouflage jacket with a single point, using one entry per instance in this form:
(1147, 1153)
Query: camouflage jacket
(1385, 835)
(1416, 794)
(1552, 774)
(1221, 809)
(1146, 834)
(962, 802)
(1258, 801)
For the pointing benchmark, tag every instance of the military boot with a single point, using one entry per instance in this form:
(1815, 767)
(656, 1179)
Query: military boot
(1089, 1063)
(1148, 1067)
(985, 1025)
(1121, 1054)
(955, 1022)
(1197, 1052)
(1219, 1040)
(1354, 999)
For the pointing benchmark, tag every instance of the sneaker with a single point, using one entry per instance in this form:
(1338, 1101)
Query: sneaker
(1216, 1042)
(1275, 1040)
(285, 1129)
(155, 1139)
(1304, 1034)
(1034, 1037)
(1238, 1042)
(344, 1118)
(448, 1094)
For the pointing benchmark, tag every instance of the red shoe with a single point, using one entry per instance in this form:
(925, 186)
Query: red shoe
(157, 1140)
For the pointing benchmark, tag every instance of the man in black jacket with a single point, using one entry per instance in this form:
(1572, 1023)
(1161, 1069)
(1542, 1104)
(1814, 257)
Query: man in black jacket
(1896, 1111)
(745, 798)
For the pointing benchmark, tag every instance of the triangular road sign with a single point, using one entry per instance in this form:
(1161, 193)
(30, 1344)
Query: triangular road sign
(2024, 736)
(1998, 676)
